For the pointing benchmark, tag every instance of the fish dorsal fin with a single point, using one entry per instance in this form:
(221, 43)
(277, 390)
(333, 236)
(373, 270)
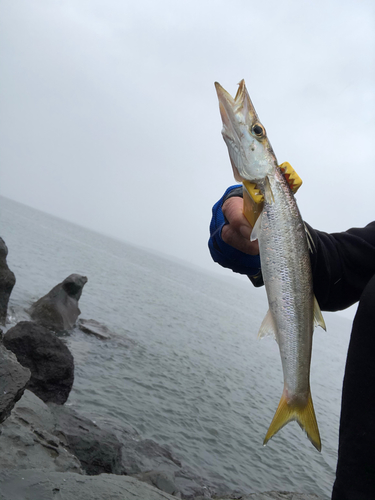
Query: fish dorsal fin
(256, 229)
(318, 317)
(267, 328)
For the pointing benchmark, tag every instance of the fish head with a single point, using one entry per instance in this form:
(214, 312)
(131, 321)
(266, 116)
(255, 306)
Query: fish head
(250, 151)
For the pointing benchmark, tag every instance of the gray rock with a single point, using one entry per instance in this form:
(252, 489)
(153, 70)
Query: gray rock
(7, 281)
(58, 310)
(280, 495)
(98, 450)
(27, 441)
(95, 328)
(47, 357)
(143, 455)
(191, 485)
(161, 480)
(140, 456)
(40, 485)
(13, 380)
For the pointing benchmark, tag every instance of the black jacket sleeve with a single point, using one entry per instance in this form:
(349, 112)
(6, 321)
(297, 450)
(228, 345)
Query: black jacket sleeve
(342, 265)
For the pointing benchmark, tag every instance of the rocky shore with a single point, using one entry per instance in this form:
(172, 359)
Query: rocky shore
(49, 451)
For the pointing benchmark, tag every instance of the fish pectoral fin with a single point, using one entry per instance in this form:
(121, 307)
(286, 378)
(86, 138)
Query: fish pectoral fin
(256, 229)
(267, 328)
(304, 415)
(318, 317)
(268, 194)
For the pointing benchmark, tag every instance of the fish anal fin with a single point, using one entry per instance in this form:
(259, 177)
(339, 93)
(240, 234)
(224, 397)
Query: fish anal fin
(318, 317)
(303, 414)
(267, 328)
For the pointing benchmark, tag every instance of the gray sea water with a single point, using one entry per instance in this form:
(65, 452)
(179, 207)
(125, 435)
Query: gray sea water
(184, 366)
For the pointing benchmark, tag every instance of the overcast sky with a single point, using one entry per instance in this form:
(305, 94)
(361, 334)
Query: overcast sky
(109, 116)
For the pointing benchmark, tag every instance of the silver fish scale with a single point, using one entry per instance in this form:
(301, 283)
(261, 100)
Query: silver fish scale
(287, 276)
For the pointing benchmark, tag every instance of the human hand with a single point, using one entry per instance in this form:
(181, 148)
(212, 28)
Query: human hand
(238, 230)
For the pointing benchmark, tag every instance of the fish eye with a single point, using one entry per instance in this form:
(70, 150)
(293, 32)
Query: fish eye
(257, 130)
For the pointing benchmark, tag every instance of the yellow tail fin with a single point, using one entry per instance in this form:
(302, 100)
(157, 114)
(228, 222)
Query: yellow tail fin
(305, 416)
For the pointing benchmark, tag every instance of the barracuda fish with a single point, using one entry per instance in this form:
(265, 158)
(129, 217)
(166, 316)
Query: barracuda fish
(284, 254)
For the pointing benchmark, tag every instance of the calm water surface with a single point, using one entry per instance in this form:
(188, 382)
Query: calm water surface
(184, 366)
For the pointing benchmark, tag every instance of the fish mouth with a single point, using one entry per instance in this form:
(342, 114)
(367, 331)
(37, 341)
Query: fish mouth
(227, 106)
(241, 104)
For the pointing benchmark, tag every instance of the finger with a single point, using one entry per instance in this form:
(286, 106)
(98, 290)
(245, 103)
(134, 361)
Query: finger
(232, 210)
(235, 239)
(238, 230)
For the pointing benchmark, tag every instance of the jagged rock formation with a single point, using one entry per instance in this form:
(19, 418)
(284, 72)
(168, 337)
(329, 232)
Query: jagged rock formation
(58, 310)
(13, 380)
(49, 360)
(7, 282)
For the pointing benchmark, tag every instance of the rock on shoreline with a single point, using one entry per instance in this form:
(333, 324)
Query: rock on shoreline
(95, 328)
(50, 450)
(13, 379)
(7, 281)
(35, 485)
(49, 360)
(58, 310)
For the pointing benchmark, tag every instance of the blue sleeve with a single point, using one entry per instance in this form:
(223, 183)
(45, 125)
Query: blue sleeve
(221, 252)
